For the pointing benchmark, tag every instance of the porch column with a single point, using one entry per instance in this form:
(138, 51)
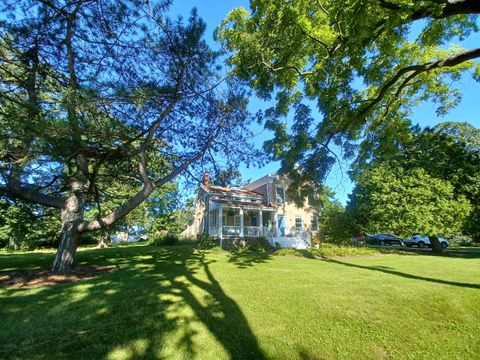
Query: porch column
(220, 225)
(275, 220)
(241, 221)
(260, 218)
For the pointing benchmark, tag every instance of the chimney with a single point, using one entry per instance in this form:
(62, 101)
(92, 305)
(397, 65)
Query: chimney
(206, 179)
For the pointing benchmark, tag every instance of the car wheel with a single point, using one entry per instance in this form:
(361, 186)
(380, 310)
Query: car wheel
(444, 245)
(382, 243)
(421, 244)
(408, 245)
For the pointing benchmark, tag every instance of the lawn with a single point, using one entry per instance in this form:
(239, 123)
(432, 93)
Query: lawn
(181, 303)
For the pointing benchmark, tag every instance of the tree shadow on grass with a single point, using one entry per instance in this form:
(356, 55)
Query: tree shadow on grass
(387, 270)
(154, 306)
(247, 259)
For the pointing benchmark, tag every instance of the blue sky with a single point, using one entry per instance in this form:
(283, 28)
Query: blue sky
(213, 12)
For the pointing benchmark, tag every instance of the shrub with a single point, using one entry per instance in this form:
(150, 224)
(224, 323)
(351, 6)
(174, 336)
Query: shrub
(328, 250)
(167, 239)
(293, 252)
(217, 249)
(316, 239)
(259, 245)
(206, 242)
(460, 240)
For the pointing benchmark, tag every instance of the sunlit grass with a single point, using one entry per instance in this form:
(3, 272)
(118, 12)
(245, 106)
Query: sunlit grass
(180, 303)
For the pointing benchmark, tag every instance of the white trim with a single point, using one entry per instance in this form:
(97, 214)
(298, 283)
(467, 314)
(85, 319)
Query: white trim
(267, 179)
(284, 200)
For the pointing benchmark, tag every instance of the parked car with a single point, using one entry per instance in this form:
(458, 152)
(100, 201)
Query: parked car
(383, 239)
(358, 240)
(422, 241)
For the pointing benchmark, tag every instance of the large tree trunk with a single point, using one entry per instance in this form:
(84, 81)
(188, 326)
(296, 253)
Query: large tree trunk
(69, 240)
(104, 239)
(72, 216)
(435, 243)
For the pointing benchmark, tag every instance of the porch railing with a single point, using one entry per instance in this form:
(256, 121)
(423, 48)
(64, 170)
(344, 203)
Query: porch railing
(236, 231)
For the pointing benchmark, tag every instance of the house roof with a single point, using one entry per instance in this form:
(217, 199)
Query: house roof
(232, 192)
(245, 204)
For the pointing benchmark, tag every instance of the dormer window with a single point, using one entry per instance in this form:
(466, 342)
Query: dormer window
(280, 195)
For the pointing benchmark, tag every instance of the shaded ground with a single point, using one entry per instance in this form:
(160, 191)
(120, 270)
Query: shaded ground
(41, 277)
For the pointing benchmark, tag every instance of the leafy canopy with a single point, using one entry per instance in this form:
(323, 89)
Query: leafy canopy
(102, 102)
(366, 64)
(402, 202)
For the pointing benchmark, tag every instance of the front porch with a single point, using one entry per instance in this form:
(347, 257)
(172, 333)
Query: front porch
(236, 221)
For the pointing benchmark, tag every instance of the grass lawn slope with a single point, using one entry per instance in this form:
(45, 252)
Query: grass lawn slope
(180, 303)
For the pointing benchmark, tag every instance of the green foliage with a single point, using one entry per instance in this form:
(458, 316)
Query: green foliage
(167, 239)
(364, 63)
(25, 227)
(461, 240)
(292, 252)
(229, 177)
(104, 103)
(447, 152)
(205, 241)
(335, 223)
(394, 200)
(171, 221)
(217, 249)
(328, 250)
(260, 244)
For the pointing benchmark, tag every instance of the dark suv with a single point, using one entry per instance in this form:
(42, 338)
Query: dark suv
(383, 239)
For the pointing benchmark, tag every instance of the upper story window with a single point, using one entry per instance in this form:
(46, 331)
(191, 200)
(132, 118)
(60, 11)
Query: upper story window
(314, 223)
(280, 195)
(298, 223)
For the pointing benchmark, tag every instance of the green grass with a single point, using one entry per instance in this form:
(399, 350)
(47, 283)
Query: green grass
(180, 303)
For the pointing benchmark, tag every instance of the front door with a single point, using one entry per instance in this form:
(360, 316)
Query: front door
(281, 225)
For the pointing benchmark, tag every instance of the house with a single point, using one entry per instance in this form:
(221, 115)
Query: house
(260, 209)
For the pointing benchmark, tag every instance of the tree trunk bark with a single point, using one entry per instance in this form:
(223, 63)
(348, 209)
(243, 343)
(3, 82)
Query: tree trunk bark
(127, 234)
(104, 240)
(435, 243)
(69, 240)
(72, 216)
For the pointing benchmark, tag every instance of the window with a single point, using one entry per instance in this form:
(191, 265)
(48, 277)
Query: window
(214, 218)
(314, 223)
(280, 195)
(236, 220)
(298, 223)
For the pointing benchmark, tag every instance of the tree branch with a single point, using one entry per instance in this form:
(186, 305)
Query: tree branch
(139, 197)
(449, 61)
(448, 8)
(27, 193)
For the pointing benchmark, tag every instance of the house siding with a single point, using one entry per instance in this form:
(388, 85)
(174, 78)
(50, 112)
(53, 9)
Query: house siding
(288, 208)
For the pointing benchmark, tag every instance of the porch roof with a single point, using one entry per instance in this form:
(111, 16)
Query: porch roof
(223, 191)
(245, 205)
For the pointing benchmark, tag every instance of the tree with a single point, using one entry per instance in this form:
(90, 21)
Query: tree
(463, 133)
(446, 152)
(25, 226)
(335, 223)
(365, 63)
(99, 94)
(392, 199)
(229, 177)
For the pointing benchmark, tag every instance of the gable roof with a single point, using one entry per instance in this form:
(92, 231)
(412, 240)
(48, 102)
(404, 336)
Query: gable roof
(223, 191)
